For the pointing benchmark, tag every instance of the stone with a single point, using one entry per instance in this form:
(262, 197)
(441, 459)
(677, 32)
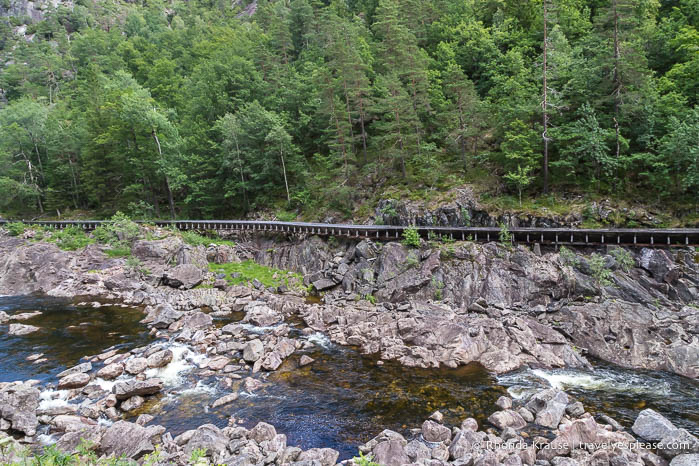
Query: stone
(434, 432)
(135, 366)
(253, 350)
(469, 424)
(162, 316)
(306, 360)
(84, 367)
(504, 402)
(144, 419)
(129, 388)
(272, 361)
(224, 400)
(22, 329)
(184, 275)
(209, 438)
(323, 284)
(218, 363)
(390, 453)
(159, 359)
(132, 403)
(258, 313)
(526, 414)
(677, 442)
(18, 404)
(552, 412)
(652, 426)
(507, 418)
(437, 417)
(111, 371)
(685, 460)
(417, 451)
(87, 435)
(575, 409)
(196, 320)
(75, 380)
(325, 456)
(127, 439)
(262, 431)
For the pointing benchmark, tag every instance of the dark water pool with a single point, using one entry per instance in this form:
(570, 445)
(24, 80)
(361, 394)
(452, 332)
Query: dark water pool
(67, 333)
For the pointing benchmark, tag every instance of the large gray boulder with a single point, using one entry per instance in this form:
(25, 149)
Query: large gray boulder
(390, 453)
(678, 442)
(18, 404)
(325, 456)
(162, 315)
(76, 380)
(507, 418)
(258, 313)
(207, 437)
(253, 350)
(691, 459)
(129, 388)
(435, 432)
(652, 426)
(184, 275)
(126, 438)
(22, 329)
(552, 412)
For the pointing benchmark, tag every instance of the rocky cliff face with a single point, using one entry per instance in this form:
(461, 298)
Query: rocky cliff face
(35, 10)
(443, 304)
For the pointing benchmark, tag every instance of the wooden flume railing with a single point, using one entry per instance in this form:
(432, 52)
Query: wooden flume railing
(564, 236)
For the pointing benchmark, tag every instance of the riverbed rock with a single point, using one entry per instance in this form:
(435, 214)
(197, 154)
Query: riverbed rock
(679, 441)
(75, 380)
(325, 456)
(132, 403)
(253, 350)
(196, 320)
(126, 438)
(685, 460)
(87, 436)
(652, 426)
(111, 371)
(258, 313)
(507, 418)
(184, 275)
(390, 453)
(262, 431)
(552, 412)
(162, 315)
(435, 432)
(18, 404)
(305, 360)
(209, 438)
(136, 365)
(83, 367)
(272, 361)
(22, 329)
(159, 359)
(224, 400)
(133, 387)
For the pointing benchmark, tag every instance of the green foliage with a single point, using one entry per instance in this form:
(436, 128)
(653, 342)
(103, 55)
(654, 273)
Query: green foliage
(317, 107)
(362, 460)
(70, 238)
(16, 228)
(599, 270)
(624, 258)
(119, 251)
(197, 454)
(569, 257)
(245, 272)
(120, 231)
(411, 237)
(195, 239)
(505, 236)
(371, 298)
(412, 260)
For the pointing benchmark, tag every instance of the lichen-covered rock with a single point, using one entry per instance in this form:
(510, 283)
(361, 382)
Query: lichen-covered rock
(126, 438)
(652, 426)
(18, 404)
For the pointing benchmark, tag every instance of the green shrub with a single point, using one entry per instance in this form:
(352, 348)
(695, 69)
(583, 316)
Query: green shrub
(285, 216)
(118, 251)
(195, 239)
(599, 270)
(411, 237)
(412, 260)
(505, 235)
(568, 257)
(247, 271)
(71, 238)
(362, 460)
(119, 230)
(16, 228)
(623, 258)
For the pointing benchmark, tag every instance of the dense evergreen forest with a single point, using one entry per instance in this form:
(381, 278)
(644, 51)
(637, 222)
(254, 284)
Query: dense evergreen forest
(206, 109)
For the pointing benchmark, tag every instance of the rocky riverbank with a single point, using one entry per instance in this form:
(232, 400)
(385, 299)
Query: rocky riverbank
(445, 304)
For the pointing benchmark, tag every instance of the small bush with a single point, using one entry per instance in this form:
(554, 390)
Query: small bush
(505, 235)
(568, 257)
(599, 270)
(411, 237)
(412, 260)
(119, 230)
(362, 460)
(245, 272)
(195, 239)
(119, 251)
(623, 258)
(285, 216)
(71, 238)
(16, 228)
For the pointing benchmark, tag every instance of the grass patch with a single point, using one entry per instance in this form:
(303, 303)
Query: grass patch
(195, 239)
(238, 273)
(70, 238)
(118, 251)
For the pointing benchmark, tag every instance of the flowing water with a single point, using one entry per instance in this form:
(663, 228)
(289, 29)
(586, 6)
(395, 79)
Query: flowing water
(342, 399)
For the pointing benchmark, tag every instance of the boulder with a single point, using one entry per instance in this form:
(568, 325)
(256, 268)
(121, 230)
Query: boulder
(132, 403)
(126, 438)
(323, 284)
(18, 404)
(162, 316)
(507, 418)
(231, 397)
(434, 432)
(135, 366)
(22, 329)
(677, 442)
(262, 431)
(390, 453)
(207, 437)
(305, 360)
(160, 359)
(552, 412)
(504, 402)
(129, 388)
(184, 275)
(325, 456)
(87, 435)
(196, 320)
(272, 361)
(253, 350)
(111, 371)
(652, 426)
(258, 313)
(75, 380)
(691, 459)
(84, 367)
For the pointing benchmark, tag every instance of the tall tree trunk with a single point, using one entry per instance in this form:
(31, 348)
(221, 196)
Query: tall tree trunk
(170, 199)
(544, 104)
(617, 79)
(286, 182)
(242, 177)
